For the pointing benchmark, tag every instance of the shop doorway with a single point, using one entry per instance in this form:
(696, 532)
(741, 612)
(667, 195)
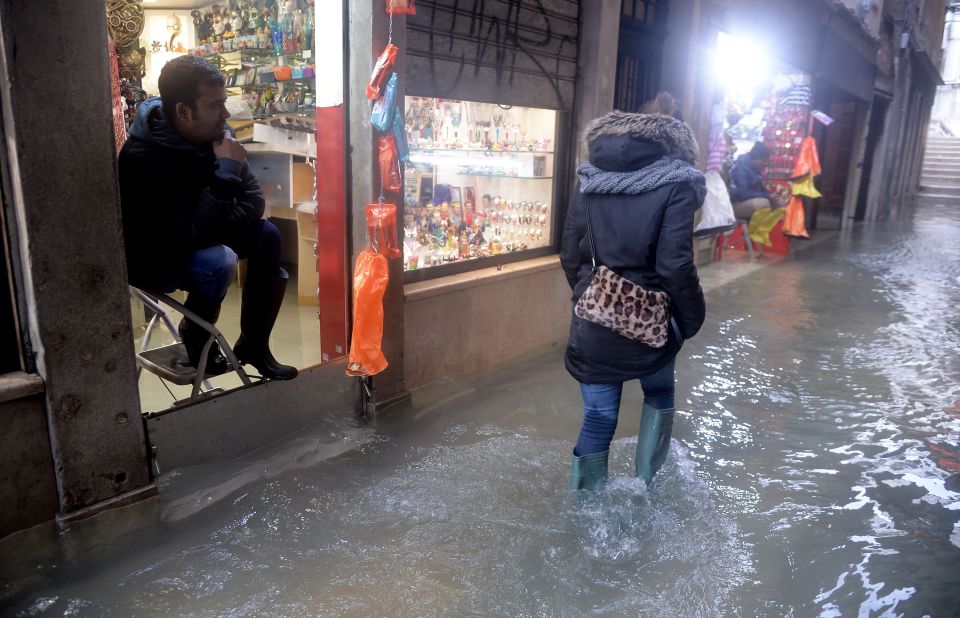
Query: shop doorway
(878, 117)
(275, 92)
(639, 52)
(836, 149)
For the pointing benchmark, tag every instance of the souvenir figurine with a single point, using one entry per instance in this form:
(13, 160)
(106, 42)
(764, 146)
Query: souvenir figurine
(173, 29)
(236, 23)
(263, 38)
(445, 214)
(219, 24)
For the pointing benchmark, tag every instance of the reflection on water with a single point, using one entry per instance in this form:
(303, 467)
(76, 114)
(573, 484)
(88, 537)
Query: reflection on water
(814, 471)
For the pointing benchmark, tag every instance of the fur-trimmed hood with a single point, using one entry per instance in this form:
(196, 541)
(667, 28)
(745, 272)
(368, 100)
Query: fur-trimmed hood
(674, 136)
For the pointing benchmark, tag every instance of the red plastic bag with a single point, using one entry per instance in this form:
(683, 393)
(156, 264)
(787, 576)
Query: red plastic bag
(370, 278)
(382, 229)
(402, 7)
(381, 71)
(794, 223)
(390, 178)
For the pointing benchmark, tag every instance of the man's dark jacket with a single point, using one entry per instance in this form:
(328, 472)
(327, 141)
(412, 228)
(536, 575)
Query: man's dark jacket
(177, 198)
(646, 238)
(745, 180)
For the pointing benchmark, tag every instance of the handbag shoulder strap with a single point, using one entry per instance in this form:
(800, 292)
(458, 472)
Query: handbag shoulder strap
(593, 248)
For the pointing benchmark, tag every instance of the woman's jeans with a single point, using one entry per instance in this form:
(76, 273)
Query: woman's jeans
(601, 407)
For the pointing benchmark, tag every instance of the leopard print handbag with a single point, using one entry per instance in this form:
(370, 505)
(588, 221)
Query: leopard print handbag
(622, 306)
(625, 308)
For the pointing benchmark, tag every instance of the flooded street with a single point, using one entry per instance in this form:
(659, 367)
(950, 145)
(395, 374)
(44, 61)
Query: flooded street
(814, 471)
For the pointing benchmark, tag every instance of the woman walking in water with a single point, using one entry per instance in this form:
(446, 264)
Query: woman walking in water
(633, 213)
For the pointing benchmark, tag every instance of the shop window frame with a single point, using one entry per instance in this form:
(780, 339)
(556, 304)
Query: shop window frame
(563, 151)
(12, 337)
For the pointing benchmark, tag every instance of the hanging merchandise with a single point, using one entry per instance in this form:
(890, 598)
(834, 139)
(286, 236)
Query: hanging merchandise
(390, 178)
(370, 280)
(119, 124)
(718, 142)
(382, 229)
(794, 221)
(400, 135)
(383, 109)
(806, 167)
(381, 71)
(808, 162)
(717, 209)
(762, 223)
(401, 7)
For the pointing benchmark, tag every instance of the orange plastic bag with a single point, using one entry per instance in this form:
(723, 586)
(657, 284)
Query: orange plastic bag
(370, 278)
(382, 229)
(401, 7)
(794, 223)
(390, 178)
(808, 162)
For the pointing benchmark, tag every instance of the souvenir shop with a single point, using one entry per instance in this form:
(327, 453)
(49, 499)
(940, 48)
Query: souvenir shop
(266, 52)
(771, 102)
(479, 181)
(489, 126)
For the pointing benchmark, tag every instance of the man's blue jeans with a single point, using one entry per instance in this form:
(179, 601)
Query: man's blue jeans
(211, 270)
(601, 407)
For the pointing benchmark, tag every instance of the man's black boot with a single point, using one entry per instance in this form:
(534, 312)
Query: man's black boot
(258, 314)
(194, 337)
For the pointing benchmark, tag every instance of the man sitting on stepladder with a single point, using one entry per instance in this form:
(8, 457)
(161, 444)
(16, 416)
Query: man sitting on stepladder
(191, 208)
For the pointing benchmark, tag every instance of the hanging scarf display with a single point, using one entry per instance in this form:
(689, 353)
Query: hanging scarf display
(794, 220)
(806, 167)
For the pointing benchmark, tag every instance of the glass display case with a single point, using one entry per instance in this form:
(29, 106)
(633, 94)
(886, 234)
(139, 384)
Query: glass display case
(478, 183)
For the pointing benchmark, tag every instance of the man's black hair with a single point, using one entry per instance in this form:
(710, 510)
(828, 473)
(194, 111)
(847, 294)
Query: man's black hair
(759, 152)
(180, 81)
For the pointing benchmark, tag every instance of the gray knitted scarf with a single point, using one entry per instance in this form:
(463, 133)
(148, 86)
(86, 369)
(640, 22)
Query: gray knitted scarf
(659, 173)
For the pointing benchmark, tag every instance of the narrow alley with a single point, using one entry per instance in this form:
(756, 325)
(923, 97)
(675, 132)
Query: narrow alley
(814, 471)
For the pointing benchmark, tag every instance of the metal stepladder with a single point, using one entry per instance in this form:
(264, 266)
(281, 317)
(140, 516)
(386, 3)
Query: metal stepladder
(170, 362)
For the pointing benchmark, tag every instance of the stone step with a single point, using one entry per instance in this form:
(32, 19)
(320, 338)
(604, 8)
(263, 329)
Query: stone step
(942, 181)
(946, 165)
(942, 149)
(941, 171)
(940, 190)
(952, 200)
(929, 158)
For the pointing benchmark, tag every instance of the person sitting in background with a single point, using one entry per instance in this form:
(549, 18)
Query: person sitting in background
(746, 184)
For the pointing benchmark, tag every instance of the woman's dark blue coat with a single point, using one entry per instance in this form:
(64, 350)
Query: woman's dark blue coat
(646, 238)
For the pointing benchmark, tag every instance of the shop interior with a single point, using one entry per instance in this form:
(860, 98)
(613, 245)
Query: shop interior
(478, 181)
(761, 99)
(265, 49)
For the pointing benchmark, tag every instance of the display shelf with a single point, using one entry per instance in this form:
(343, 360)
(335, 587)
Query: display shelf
(236, 55)
(259, 86)
(504, 176)
(482, 150)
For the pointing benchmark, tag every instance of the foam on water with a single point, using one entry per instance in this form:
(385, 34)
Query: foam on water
(813, 472)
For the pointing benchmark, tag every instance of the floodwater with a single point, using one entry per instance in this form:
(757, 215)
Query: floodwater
(814, 471)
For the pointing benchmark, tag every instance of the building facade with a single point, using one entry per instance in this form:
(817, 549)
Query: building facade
(516, 81)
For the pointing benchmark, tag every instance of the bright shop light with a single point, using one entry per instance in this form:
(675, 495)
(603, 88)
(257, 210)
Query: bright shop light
(741, 66)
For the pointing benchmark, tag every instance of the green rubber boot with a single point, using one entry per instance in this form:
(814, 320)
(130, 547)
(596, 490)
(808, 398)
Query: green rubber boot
(653, 442)
(589, 471)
